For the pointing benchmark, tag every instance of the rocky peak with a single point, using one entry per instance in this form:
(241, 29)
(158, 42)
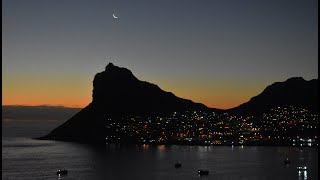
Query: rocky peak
(114, 73)
(110, 66)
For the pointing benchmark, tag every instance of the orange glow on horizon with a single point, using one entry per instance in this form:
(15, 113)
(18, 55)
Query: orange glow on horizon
(78, 94)
(52, 105)
(80, 99)
(82, 104)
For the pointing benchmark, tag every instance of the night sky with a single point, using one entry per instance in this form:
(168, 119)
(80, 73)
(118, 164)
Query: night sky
(217, 52)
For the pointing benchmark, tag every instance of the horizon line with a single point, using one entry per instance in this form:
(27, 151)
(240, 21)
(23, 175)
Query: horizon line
(75, 106)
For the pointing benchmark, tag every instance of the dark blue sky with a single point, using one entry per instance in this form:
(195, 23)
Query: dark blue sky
(217, 52)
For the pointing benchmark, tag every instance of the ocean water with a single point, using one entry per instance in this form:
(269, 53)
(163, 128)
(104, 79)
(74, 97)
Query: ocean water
(25, 158)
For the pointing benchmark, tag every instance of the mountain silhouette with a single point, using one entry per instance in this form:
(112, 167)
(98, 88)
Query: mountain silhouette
(118, 96)
(293, 92)
(117, 92)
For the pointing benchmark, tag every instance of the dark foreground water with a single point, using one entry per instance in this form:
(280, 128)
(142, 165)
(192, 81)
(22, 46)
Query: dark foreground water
(24, 158)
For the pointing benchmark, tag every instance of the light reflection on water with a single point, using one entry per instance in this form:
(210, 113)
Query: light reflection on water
(145, 146)
(162, 148)
(40, 159)
(303, 175)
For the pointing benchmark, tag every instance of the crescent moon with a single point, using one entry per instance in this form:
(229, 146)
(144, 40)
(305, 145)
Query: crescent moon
(115, 17)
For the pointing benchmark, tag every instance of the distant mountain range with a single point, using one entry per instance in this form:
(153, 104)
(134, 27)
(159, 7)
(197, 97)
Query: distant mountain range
(117, 92)
(42, 113)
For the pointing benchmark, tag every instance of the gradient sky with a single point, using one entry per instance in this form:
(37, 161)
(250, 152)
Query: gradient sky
(217, 52)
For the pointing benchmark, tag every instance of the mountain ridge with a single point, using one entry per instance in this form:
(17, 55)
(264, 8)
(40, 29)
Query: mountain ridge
(117, 93)
(118, 89)
(294, 91)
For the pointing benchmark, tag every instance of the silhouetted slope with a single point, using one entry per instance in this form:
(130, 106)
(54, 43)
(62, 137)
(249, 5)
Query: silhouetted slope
(295, 91)
(118, 92)
(86, 126)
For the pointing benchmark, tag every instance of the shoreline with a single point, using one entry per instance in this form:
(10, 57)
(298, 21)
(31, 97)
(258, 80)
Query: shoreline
(172, 144)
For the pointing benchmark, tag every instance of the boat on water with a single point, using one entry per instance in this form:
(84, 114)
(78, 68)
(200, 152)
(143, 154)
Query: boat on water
(203, 172)
(287, 161)
(177, 165)
(302, 168)
(62, 172)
